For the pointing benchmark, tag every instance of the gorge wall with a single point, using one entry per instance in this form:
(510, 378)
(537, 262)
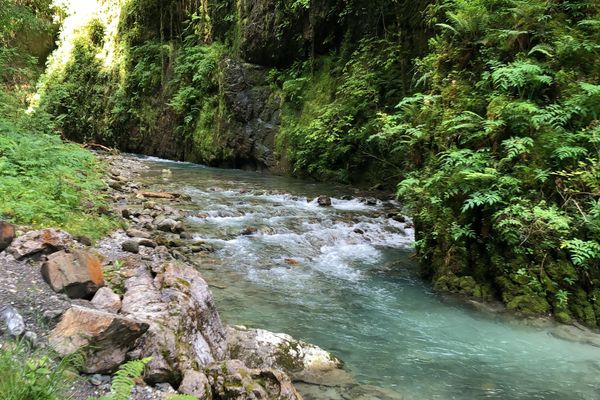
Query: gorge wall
(289, 86)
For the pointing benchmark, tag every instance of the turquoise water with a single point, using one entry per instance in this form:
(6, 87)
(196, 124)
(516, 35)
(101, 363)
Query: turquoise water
(343, 278)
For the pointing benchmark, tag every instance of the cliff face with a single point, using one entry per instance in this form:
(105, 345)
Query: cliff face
(213, 82)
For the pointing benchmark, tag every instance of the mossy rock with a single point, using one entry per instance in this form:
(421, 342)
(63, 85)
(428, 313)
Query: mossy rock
(528, 304)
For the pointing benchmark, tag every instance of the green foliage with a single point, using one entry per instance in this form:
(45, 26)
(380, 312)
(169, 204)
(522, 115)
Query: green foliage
(124, 379)
(506, 138)
(32, 375)
(330, 114)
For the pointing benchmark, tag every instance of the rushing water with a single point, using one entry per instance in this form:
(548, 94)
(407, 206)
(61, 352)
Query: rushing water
(343, 278)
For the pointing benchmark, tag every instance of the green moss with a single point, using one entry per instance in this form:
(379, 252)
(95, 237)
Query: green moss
(286, 356)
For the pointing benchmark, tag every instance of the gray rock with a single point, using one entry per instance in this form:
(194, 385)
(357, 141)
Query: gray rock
(259, 348)
(166, 225)
(131, 246)
(12, 321)
(137, 233)
(185, 328)
(107, 300)
(44, 241)
(195, 384)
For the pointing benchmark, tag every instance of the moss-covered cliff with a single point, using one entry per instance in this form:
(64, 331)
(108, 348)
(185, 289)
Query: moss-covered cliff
(235, 83)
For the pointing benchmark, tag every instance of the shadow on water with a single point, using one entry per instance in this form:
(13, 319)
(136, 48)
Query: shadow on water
(343, 277)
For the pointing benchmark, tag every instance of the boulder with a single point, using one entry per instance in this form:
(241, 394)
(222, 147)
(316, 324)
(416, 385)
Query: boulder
(232, 380)
(103, 338)
(78, 274)
(259, 348)
(107, 300)
(185, 329)
(45, 241)
(196, 384)
(7, 234)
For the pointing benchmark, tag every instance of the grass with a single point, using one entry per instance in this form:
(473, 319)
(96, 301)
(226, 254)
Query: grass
(47, 183)
(27, 374)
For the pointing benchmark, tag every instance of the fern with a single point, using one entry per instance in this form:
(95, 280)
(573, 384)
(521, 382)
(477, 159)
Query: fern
(582, 251)
(124, 379)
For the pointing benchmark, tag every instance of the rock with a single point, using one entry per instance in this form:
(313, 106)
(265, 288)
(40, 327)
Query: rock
(137, 233)
(125, 213)
(232, 380)
(103, 338)
(52, 315)
(250, 230)
(201, 247)
(84, 240)
(259, 348)
(324, 201)
(370, 201)
(186, 236)
(44, 241)
(195, 384)
(107, 300)
(98, 379)
(7, 234)
(185, 329)
(78, 274)
(178, 227)
(166, 225)
(147, 243)
(359, 231)
(131, 246)
(12, 321)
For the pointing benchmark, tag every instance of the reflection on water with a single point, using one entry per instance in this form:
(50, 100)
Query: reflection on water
(342, 278)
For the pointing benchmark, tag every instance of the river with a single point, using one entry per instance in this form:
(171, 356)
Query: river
(342, 277)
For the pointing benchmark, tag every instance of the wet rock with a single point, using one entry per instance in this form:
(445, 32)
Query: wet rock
(102, 337)
(370, 201)
(259, 348)
(186, 236)
(250, 230)
(577, 333)
(201, 247)
(359, 231)
(11, 321)
(107, 300)
(232, 380)
(7, 234)
(44, 241)
(185, 328)
(324, 201)
(137, 233)
(78, 274)
(196, 384)
(131, 246)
